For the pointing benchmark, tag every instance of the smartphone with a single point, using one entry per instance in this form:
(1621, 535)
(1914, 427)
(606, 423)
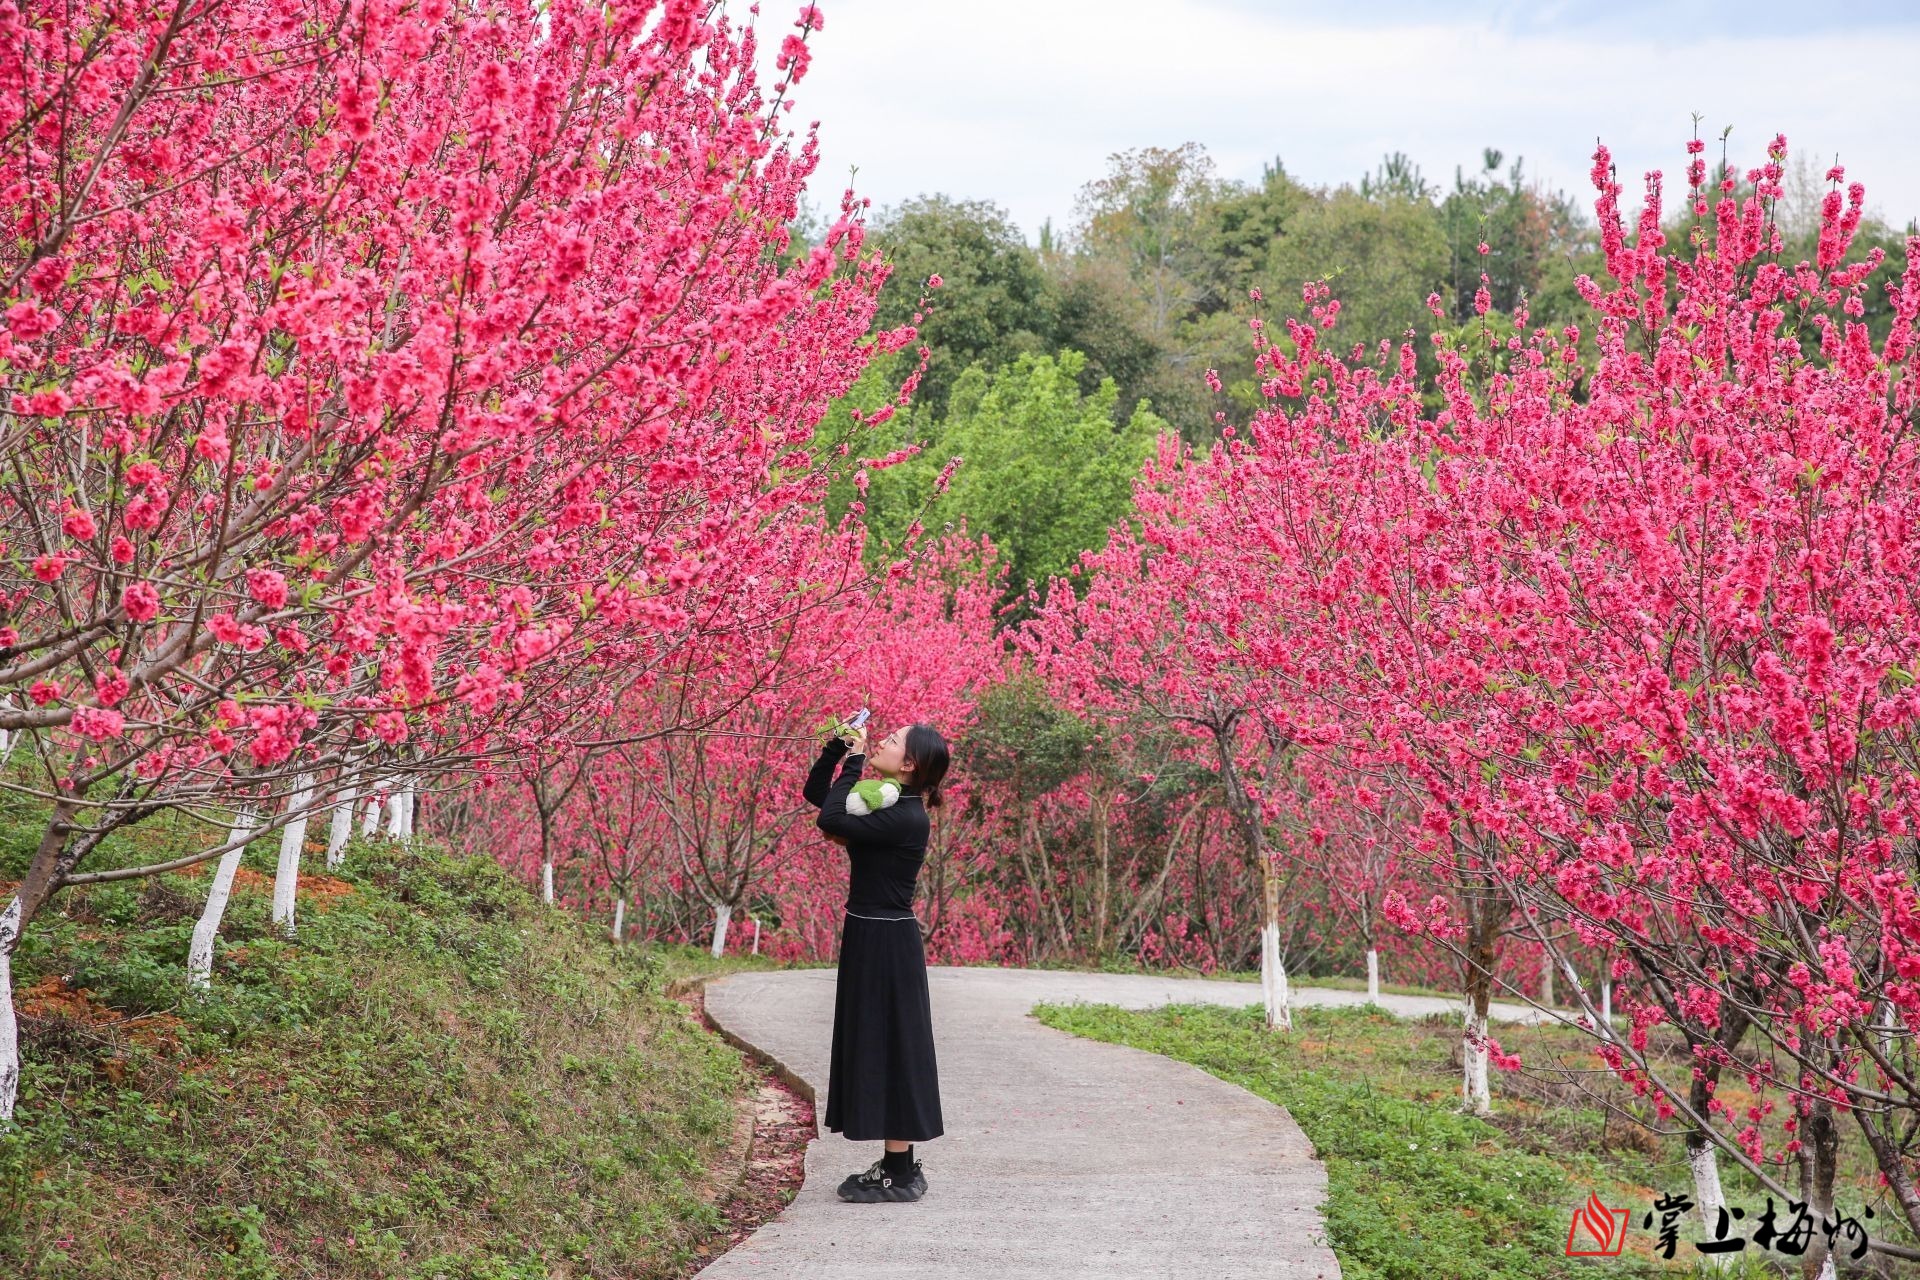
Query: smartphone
(858, 719)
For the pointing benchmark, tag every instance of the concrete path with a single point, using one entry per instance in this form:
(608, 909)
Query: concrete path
(1062, 1158)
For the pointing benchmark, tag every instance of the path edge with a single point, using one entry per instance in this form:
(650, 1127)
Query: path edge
(771, 1061)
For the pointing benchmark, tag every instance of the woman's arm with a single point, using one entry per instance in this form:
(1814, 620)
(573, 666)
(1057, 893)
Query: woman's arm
(821, 775)
(883, 826)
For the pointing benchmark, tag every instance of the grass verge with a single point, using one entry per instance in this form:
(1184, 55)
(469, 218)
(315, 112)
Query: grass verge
(1416, 1189)
(438, 1078)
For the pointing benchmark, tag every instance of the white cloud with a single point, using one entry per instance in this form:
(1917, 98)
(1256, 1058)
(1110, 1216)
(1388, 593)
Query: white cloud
(1021, 101)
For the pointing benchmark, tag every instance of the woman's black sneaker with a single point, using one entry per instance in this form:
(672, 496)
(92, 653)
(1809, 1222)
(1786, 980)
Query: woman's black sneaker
(876, 1184)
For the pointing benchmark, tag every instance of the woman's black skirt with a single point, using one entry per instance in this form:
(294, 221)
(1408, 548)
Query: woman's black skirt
(882, 1082)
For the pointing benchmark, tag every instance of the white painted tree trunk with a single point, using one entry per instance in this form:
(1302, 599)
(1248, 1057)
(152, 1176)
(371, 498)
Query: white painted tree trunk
(6, 746)
(341, 829)
(1606, 1001)
(1546, 985)
(1703, 1162)
(619, 920)
(1373, 975)
(397, 816)
(1475, 1095)
(722, 915)
(200, 951)
(9, 1023)
(546, 883)
(756, 935)
(370, 820)
(408, 801)
(1273, 979)
(286, 876)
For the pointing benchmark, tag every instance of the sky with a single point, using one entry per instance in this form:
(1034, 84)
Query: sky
(1021, 101)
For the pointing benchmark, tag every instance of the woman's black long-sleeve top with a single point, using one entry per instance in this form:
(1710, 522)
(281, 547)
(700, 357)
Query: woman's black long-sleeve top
(885, 847)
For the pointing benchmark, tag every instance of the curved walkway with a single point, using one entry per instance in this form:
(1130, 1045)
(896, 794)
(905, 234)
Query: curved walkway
(1062, 1158)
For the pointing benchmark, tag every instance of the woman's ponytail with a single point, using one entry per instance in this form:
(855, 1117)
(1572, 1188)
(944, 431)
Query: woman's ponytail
(928, 751)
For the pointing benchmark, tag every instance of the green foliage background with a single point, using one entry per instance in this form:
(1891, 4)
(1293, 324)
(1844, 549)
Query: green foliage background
(1151, 286)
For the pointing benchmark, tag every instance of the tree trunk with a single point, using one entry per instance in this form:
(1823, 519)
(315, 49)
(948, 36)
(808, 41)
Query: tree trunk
(1889, 1155)
(293, 837)
(1704, 1164)
(200, 951)
(397, 815)
(1702, 1158)
(1486, 911)
(42, 878)
(619, 919)
(9, 1023)
(1050, 888)
(1476, 1095)
(1823, 1142)
(546, 857)
(1373, 975)
(1100, 811)
(1606, 1001)
(722, 914)
(1273, 973)
(756, 935)
(370, 820)
(340, 830)
(1546, 983)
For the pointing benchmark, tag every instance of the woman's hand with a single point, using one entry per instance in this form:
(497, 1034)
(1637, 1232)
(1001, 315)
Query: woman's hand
(856, 742)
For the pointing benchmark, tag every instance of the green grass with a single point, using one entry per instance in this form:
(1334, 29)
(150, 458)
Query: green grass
(1416, 1189)
(440, 1078)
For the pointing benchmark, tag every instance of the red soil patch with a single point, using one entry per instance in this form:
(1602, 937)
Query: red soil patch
(247, 880)
(53, 1000)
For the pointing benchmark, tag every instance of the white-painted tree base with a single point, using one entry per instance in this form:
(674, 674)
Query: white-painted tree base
(722, 915)
(340, 830)
(1476, 1096)
(1373, 975)
(9, 1020)
(546, 883)
(293, 838)
(1273, 980)
(200, 950)
(619, 920)
(1704, 1164)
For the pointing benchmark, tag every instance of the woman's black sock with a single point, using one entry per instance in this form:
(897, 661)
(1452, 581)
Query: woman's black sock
(898, 1164)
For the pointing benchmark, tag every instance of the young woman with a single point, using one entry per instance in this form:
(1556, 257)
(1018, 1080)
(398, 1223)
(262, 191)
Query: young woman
(881, 1081)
